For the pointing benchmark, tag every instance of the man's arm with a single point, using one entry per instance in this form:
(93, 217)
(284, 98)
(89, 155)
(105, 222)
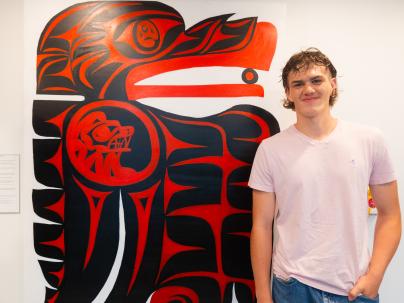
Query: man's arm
(261, 243)
(387, 237)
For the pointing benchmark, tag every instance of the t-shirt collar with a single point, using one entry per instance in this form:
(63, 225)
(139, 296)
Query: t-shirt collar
(312, 141)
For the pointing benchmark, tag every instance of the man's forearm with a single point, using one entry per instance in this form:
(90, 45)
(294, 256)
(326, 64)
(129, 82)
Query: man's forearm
(387, 238)
(261, 255)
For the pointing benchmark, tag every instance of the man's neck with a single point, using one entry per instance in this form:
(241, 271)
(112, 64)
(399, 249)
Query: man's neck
(316, 128)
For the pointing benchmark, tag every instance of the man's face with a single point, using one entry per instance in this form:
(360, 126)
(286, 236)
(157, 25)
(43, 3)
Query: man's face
(310, 90)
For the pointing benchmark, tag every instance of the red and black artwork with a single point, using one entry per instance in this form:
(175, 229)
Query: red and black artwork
(143, 205)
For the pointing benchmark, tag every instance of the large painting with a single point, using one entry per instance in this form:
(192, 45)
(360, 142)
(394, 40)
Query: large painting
(141, 204)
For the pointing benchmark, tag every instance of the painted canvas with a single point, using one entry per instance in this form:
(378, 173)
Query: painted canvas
(141, 204)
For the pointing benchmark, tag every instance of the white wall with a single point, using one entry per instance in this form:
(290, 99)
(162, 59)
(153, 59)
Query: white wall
(363, 38)
(11, 100)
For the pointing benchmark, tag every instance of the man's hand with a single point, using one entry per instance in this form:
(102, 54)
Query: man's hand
(367, 285)
(387, 237)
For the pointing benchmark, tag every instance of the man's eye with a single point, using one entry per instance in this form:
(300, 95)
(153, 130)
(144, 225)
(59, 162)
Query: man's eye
(317, 81)
(297, 84)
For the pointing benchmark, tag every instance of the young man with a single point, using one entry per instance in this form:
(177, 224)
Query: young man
(312, 178)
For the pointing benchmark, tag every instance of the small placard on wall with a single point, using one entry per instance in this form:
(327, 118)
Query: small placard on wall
(9, 183)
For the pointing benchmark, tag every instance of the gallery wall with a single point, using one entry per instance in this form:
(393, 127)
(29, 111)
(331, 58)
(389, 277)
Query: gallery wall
(363, 38)
(11, 130)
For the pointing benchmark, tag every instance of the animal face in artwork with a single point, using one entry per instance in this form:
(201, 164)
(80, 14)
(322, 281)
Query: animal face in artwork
(115, 45)
(103, 136)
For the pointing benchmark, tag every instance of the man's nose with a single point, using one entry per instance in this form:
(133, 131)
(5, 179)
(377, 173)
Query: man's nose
(308, 89)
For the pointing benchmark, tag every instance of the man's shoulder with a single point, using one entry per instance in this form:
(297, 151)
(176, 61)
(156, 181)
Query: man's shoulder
(278, 139)
(359, 130)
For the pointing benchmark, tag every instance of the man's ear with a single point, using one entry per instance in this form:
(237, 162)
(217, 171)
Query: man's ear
(287, 93)
(334, 83)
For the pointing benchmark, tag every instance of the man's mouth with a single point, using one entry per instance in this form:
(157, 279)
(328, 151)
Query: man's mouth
(311, 99)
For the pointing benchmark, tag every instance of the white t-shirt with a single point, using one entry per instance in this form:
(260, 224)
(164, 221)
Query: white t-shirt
(321, 194)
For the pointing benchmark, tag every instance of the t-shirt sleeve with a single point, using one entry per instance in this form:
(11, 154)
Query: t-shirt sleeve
(382, 170)
(261, 177)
